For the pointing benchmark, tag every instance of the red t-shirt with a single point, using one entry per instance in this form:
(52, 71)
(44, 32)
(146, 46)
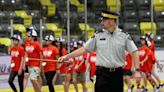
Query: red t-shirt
(151, 60)
(92, 62)
(143, 53)
(71, 66)
(128, 63)
(50, 53)
(16, 55)
(152, 47)
(26, 42)
(63, 68)
(33, 51)
(78, 60)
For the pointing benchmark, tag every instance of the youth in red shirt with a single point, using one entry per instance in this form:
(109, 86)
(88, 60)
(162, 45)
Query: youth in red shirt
(80, 63)
(128, 63)
(127, 72)
(145, 57)
(17, 62)
(144, 54)
(70, 70)
(80, 69)
(92, 62)
(33, 51)
(17, 53)
(63, 67)
(50, 53)
(152, 47)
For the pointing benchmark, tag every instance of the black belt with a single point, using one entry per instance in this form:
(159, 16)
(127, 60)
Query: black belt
(109, 69)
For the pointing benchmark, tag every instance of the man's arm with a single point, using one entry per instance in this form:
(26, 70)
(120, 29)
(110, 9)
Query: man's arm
(88, 47)
(135, 58)
(75, 53)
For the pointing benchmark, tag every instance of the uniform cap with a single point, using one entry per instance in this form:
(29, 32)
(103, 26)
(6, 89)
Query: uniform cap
(109, 15)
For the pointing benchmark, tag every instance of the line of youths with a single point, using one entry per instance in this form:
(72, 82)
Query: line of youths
(147, 62)
(76, 68)
(32, 69)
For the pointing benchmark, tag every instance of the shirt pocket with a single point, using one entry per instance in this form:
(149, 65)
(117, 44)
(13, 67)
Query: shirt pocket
(120, 42)
(102, 44)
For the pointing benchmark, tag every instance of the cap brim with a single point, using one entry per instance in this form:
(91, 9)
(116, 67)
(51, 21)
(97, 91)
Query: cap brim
(47, 40)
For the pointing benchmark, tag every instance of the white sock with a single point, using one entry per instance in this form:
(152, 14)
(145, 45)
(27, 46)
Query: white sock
(129, 90)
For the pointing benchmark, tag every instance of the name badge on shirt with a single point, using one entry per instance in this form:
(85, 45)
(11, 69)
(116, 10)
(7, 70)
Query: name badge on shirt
(102, 39)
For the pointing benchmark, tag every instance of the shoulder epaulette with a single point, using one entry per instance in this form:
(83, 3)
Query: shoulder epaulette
(99, 31)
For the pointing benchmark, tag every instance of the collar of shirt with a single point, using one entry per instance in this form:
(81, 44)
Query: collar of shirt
(111, 33)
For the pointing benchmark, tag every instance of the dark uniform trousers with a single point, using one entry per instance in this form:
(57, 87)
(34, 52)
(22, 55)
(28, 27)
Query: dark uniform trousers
(109, 79)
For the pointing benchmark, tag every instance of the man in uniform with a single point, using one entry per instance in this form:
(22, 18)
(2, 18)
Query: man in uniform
(110, 45)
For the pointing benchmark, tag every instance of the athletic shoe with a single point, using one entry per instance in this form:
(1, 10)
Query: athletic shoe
(144, 89)
(157, 90)
(161, 85)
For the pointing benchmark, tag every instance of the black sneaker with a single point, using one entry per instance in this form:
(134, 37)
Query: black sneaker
(158, 87)
(161, 85)
(144, 89)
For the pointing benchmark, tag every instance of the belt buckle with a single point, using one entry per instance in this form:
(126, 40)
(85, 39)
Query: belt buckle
(112, 69)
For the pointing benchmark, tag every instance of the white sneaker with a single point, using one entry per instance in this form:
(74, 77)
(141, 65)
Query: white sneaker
(157, 90)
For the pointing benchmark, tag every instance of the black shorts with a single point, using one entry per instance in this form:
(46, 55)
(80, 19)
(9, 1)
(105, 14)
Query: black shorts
(127, 72)
(26, 71)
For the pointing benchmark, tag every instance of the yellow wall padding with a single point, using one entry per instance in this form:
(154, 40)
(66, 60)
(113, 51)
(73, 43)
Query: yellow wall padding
(75, 2)
(5, 41)
(51, 9)
(146, 27)
(45, 2)
(27, 19)
(111, 5)
(158, 5)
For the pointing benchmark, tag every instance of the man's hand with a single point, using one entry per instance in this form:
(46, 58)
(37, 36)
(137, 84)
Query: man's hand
(62, 59)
